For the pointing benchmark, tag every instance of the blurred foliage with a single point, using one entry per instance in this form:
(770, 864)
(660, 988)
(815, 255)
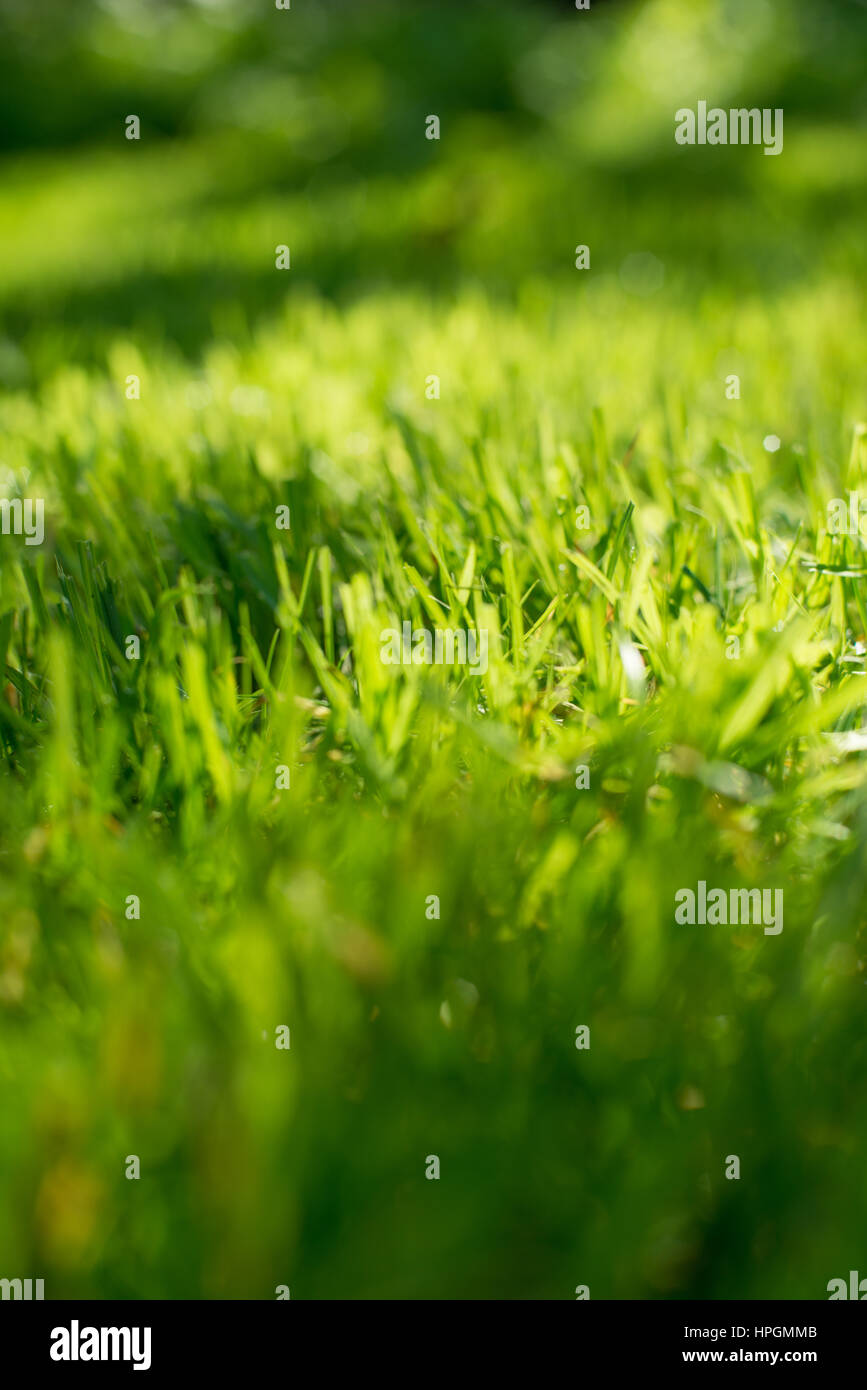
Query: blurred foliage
(262, 126)
(259, 648)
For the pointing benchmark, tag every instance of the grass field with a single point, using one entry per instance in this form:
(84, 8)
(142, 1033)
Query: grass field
(696, 643)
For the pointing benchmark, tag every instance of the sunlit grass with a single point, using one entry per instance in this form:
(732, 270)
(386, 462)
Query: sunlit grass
(307, 906)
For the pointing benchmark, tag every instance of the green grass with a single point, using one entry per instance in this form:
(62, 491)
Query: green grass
(414, 1035)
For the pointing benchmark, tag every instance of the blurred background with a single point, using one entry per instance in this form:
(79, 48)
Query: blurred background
(305, 127)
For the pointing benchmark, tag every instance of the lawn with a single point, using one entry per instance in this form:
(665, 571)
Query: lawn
(285, 921)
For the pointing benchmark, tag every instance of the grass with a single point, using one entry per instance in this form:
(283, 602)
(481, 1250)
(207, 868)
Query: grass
(610, 647)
